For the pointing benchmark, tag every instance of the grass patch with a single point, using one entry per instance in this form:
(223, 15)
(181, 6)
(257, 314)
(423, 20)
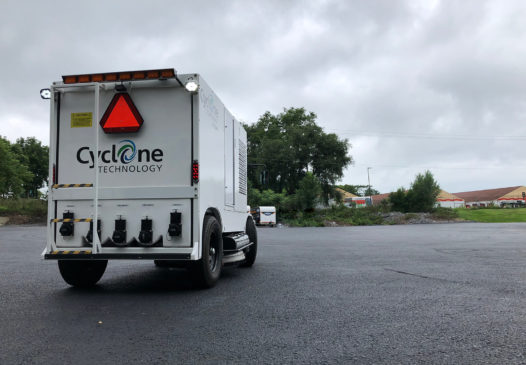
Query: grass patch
(493, 215)
(444, 214)
(34, 208)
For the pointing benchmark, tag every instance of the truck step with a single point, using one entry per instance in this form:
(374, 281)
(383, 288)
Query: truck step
(235, 242)
(233, 258)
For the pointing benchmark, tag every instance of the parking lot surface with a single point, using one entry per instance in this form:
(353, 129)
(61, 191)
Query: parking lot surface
(444, 293)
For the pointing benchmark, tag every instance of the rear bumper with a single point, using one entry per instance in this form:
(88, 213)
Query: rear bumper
(87, 255)
(125, 253)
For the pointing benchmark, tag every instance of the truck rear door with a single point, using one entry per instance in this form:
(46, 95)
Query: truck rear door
(135, 175)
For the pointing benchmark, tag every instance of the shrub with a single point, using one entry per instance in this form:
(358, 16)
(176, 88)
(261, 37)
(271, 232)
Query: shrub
(385, 206)
(444, 213)
(29, 207)
(340, 214)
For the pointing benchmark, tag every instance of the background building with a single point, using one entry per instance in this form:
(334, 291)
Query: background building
(378, 198)
(500, 197)
(444, 199)
(350, 199)
(448, 200)
(346, 196)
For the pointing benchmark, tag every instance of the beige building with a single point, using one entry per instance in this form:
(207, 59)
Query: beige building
(448, 200)
(513, 195)
(444, 199)
(346, 196)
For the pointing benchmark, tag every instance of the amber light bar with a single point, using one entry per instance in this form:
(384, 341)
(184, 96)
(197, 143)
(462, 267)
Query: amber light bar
(120, 76)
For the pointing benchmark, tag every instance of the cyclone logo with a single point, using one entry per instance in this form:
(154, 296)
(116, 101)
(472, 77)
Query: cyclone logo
(127, 151)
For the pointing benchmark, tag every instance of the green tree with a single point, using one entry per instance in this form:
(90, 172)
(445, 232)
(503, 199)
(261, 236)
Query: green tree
(290, 144)
(308, 192)
(421, 197)
(328, 162)
(370, 191)
(13, 173)
(267, 197)
(35, 157)
(423, 193)
(271, 198)
(398, 200)
(360, 190)
(353, 189)
(253, 196)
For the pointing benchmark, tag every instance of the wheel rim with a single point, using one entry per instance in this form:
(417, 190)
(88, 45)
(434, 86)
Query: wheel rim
(212, 253)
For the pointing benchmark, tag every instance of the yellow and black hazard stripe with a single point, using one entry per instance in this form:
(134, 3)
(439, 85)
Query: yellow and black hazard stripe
(58, 220)
(60, 186)
(78, 252)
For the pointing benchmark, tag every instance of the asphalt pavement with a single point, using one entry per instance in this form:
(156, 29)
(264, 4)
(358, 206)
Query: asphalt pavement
(441, 294)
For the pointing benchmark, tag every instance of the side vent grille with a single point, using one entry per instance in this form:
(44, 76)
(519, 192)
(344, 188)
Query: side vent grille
(242, 168)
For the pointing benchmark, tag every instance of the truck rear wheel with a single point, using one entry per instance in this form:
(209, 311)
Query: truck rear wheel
(250, 255)
(82, 273)
(207, 270)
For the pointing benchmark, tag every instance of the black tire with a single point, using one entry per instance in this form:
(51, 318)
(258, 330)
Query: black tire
(207, 270)
(252, 251)
(82, 273)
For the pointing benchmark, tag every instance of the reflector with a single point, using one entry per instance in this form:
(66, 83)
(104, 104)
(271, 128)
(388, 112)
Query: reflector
(125, 76)
(195, 171)
(70, 79)
(153, 74)
(111, 77)
(167, 73)
(138, 75)
(97, 78)
(121, 115)
(122, 76)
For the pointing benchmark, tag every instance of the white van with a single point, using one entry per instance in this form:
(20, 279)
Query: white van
(265, 216)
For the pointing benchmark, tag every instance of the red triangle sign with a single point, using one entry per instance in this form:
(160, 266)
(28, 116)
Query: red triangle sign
(121, 115)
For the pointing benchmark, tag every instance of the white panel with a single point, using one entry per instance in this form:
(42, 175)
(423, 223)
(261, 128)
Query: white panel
(229, 159)
(212, 161)
(241, 168)
(211, 143)
(133, 211)
(161, 146)
(152, 192)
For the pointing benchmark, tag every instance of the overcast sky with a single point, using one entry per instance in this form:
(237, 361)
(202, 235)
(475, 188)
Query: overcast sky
(413, 85)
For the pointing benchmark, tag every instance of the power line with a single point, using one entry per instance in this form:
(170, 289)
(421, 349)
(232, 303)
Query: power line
(435, 167)
(426, 135)
(403, 166)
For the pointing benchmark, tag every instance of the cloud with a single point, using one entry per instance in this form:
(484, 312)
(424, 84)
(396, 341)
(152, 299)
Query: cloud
(395, 77)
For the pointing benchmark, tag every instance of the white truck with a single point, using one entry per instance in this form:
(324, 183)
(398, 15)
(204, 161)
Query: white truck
(156, 165)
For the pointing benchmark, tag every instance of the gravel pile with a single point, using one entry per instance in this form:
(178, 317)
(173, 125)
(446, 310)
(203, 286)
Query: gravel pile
(408, 218)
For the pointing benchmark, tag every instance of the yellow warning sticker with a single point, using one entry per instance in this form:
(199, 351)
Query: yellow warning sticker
(81, 120)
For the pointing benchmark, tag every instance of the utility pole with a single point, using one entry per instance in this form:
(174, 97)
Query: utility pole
(369, 180)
